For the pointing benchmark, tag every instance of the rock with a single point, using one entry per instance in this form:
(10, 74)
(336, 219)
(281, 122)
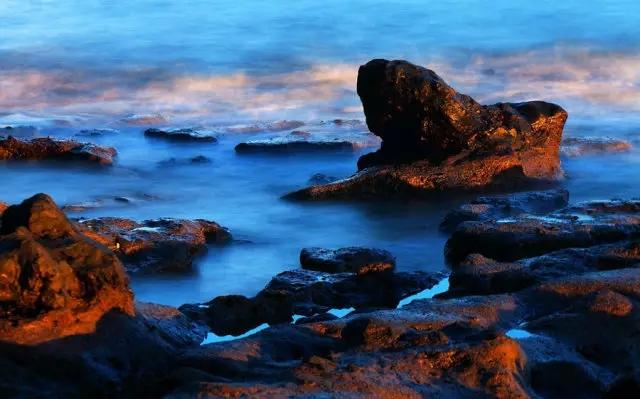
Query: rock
(305, 292)
(96, 132)
(526, 236)
(321, 178)
(54, 281)
(293, 144)
(50, 149)
(357, 260)
(3, 206)
(578, 146)
(435, 139)
(200, 159)
(180, 135)
(154, 246)
(266, 127)
(505, 206)
(124, 357)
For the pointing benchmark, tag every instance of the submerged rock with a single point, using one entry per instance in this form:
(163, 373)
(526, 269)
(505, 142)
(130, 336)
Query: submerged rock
(50, 149)
(19, 131)
(180, 135)
(266, 127)
(577, 146)
(434, 138)
(357, 260)
(505, 206)
(306, 292)
(96, 132)
(54, 281)
(321, 178)
(154, 246)
(294, 144)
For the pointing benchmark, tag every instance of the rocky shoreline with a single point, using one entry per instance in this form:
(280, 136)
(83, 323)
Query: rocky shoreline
(541, 298)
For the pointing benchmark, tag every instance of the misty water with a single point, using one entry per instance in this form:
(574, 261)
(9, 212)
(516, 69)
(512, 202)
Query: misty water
(228, 67)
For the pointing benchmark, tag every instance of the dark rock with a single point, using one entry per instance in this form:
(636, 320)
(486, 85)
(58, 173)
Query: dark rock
(96, 132)
(50, 149)
(357, 260)
(505, 206)
(54, 281)
(305, 292)
(577, 146)
(144, 120)
(436, 139)
(180, 135)
(124, 357)
(525, 236)
(155, 245)
(294, 144)
(200, 159)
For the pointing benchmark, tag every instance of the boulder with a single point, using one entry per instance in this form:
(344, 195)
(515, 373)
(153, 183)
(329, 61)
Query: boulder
(54, 281)
(294, 144)
(525, 236)
(577, 146)
(436, 139)
(357, 260)
(504, 206)
(153, 246)
(180, 135)
(306, 292)
(51, 149)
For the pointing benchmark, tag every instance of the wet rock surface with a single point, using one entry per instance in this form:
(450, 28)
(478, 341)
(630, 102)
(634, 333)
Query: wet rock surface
(13, 149)
(578, 146)
(357, 260)
(294, 144)
(434, 138)
(506, 206)
(180, 135)
(307, 292)
(152, 246)
(54, 281)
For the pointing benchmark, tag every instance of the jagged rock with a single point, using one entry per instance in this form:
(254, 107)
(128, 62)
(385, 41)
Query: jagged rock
(436, 139)
(126, 356)
(505, 206)
(155, 245)
(180, 135)
(54, 281)
(357, 260)
(526, 236)
(50, 149)
(306, 292)
(321, 178)
(577, 146)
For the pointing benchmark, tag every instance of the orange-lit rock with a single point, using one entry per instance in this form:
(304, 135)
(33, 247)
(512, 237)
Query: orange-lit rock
(50, 149)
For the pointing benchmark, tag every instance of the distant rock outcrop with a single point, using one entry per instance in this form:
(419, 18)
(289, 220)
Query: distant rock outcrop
(45, 148)
(434, 138)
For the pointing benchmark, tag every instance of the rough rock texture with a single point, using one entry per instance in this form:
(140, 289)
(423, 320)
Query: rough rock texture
(3, 206)
(579, 226)
(51, 149)
(357, 260)
(434, 138)
(577, 146)
(54, 281)
(505, 206)
(180, 135)
(306, 292)
(126, 357)
(155, 245)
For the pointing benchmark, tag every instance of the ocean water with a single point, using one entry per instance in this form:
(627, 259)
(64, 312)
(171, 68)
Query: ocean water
(234, 68)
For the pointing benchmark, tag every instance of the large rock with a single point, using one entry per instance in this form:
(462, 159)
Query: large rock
(526, 236)
(434, 138)
(51, 149)
(357, 260)
(184, 134)
(161, 245)
(54, 281)
(503, 206)
(306, 292)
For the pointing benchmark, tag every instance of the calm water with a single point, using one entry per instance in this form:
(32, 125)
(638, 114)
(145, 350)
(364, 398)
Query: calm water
(73, 65)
